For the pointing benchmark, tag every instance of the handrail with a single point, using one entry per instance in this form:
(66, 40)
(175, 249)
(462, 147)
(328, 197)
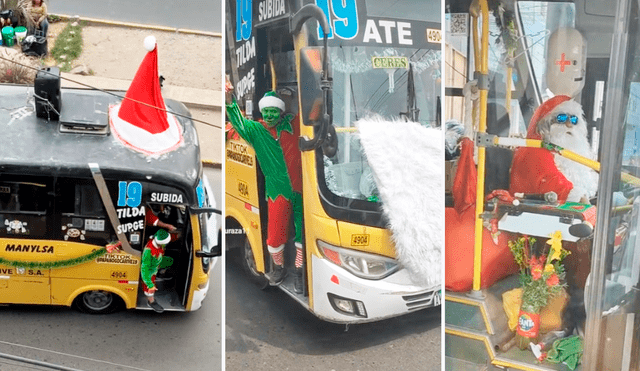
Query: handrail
(483, 87)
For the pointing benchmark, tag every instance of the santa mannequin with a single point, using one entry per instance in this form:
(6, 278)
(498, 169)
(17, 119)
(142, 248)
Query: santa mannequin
(560, 121)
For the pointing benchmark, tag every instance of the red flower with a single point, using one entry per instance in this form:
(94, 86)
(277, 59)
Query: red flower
(536, 272)
(553, 280)
(536, 267)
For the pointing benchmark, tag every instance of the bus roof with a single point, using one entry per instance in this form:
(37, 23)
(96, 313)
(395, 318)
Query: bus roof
(31, 145)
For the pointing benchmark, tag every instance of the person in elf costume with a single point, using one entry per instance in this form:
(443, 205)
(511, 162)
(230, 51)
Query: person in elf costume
(275, 141)
(560, 121)
(151, 259)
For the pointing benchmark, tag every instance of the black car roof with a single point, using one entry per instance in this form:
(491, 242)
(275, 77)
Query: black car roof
(32, 145)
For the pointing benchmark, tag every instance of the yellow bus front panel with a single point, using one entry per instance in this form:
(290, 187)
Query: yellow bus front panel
(367, 239)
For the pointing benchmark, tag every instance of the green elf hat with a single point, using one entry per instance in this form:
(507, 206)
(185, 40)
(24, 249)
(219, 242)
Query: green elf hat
(162, 237)
(271, 99)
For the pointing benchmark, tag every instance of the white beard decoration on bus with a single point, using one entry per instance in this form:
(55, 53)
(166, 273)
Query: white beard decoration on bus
(559, 121)
(143, 127)
(408, 165)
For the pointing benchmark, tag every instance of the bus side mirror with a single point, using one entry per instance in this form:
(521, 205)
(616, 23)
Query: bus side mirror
(304, 14)
(315, 74)
(204, 210)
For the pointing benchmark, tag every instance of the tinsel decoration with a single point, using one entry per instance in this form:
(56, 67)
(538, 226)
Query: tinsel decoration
(54, 264)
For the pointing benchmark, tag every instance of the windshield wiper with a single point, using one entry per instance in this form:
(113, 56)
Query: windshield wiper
(413, 112)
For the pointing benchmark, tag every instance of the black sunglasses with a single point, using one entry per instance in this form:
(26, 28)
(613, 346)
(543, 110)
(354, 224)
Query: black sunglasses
(563, 117)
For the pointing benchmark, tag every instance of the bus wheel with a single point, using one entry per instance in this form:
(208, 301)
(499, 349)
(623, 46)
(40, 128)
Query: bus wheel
(97, 302)
(249, 264)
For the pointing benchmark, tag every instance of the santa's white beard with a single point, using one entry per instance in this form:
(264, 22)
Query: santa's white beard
(584, 179)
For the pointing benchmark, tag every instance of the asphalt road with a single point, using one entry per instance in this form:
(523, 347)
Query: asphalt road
(267, 330)
(202, 15)
(128, 340)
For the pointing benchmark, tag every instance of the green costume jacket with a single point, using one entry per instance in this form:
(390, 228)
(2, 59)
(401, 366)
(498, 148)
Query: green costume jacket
(268, 151)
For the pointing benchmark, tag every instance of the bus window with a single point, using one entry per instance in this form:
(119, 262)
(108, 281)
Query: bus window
(83, 218)
(23, 207)
(89, 200)
(539, 20)
(23, 197)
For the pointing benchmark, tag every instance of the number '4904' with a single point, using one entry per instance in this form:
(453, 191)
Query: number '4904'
(345, 18)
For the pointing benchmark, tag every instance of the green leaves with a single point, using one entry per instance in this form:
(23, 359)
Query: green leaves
(54, 264)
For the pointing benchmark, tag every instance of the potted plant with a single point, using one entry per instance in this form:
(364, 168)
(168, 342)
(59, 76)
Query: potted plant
(542, 277)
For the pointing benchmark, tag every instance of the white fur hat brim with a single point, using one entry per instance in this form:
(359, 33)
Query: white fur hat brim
(162, 242)
(270, 101)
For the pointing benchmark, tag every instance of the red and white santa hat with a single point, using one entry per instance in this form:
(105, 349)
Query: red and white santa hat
(557, 104)
(146, 127)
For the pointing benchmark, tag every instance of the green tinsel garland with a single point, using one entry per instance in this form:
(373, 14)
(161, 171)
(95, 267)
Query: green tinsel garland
(54, 264)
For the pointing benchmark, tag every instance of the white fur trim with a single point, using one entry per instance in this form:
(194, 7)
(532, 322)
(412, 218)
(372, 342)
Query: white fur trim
(162, 242)
(275, 250)
(149, 43)
(143, 141)
(270, 101)
(407, 161)
(583, 178)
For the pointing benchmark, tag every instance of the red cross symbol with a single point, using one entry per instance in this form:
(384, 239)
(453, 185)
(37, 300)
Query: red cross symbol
(563, 62)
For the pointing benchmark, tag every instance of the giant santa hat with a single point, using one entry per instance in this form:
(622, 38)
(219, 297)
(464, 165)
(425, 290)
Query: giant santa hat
(146, 127)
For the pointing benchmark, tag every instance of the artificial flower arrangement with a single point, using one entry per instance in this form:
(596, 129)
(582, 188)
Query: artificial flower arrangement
(542, 277)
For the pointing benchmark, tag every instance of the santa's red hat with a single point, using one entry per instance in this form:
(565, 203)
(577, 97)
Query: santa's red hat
(146, 126)
(545, 108)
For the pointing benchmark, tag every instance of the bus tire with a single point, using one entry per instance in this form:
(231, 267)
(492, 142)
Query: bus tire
(249, 265)
(97, 302)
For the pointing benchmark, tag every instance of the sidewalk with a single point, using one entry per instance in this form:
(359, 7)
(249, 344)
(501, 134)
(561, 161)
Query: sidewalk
(201, 98)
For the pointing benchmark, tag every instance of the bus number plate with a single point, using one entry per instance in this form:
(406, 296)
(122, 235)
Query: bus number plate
(360, 240)
(243, 189)
(115, 274)
(434, 36)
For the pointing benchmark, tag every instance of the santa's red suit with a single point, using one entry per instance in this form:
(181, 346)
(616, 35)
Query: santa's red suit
(537, 170)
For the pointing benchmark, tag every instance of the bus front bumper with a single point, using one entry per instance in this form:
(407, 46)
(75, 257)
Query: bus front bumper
(341, 297)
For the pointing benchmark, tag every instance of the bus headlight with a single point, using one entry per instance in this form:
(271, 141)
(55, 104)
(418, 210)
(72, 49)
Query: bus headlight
(363, 265)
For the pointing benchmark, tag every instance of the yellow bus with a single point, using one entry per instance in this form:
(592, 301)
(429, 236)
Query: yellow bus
(351, 271)
(69, 189)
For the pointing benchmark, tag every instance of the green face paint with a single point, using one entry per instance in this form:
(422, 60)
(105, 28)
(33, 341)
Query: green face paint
(271, 115)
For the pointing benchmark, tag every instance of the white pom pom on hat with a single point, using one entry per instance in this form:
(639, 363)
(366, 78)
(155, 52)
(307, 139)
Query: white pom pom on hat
(149, 43)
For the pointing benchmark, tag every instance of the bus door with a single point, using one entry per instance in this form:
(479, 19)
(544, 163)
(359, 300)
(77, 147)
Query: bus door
(612, 295)
(25, 214)
(169, 205)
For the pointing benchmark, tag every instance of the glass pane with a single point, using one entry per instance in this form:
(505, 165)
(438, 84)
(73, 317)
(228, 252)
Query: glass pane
(539, 21)
(362, 89)
(616, 268)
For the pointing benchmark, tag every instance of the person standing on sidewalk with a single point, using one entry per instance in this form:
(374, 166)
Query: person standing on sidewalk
(275, 141)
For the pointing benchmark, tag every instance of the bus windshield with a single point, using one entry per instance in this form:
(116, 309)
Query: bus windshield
(363, 87)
